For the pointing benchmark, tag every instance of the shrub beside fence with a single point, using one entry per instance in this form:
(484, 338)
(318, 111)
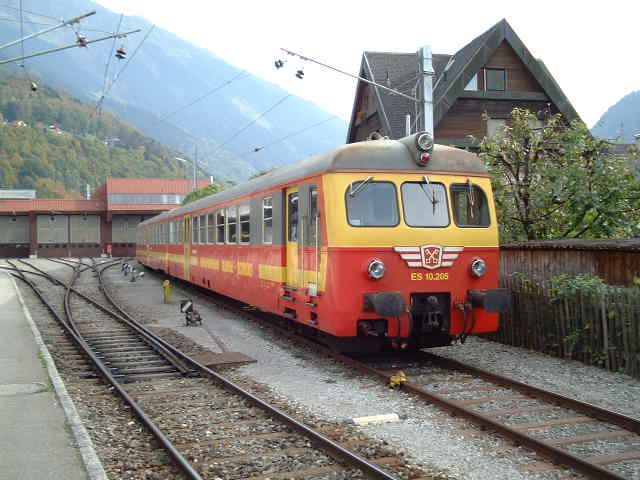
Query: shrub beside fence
(575, 317)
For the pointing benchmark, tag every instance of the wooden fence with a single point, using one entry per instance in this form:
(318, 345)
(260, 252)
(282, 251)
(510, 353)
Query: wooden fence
(599, 328)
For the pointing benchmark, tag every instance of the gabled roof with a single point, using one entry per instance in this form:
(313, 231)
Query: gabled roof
(452, 74)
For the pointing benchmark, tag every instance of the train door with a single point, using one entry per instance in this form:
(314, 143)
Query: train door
(292, 237)
(186, 242)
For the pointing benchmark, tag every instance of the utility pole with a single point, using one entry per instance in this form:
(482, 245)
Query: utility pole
(426, 92)
(195, 170)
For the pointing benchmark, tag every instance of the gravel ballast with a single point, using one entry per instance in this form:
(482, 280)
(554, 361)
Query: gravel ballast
(432, 439)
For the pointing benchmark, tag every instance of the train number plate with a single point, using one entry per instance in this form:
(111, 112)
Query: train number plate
(418, 276)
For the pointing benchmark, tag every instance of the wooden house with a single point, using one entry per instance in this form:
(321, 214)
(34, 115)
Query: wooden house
(493, 74)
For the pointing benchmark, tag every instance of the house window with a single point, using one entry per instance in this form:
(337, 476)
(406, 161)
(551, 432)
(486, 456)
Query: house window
(473, 83)
(495, 79)
(495, 126)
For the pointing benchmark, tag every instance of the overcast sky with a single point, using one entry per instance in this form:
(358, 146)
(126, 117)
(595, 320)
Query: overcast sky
(591, 48)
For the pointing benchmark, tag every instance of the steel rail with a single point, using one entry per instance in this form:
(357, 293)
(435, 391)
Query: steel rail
(184, 465)
(334, 449)
(541, 447)
(628, 423)
(148, 337)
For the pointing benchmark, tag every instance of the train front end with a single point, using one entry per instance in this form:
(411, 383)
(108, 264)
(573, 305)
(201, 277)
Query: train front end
(413, 249)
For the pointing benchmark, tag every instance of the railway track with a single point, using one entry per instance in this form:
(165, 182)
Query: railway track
(208, 426)
(594, 441)
(587, 438)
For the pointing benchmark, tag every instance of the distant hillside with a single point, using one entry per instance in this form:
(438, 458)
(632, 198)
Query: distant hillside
(52, 143)
(621, 121)
(168, 73)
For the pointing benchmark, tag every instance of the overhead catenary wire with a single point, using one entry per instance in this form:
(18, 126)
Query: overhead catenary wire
(357, 77)
(33, 86)
(11, 7)
(113, 46)
(66, 47)
(240, 75)
(235, 135)
(286, 137)
(42, 32)
(106, 92)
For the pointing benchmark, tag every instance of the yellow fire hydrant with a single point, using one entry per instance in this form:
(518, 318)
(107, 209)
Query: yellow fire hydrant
(166, 287)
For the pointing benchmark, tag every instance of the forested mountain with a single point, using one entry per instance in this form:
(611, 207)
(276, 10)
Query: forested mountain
(168, 73)
(621, 121)
(52, 143)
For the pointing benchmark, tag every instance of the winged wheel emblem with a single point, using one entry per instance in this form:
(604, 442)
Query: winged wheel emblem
(429, 256)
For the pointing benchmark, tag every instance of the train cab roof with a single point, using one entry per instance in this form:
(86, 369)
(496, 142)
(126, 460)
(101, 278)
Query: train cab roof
(372, 155)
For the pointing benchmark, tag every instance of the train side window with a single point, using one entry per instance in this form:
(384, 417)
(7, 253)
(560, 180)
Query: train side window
(231, 225)
(469, 205)
(220, 226)
(292, 208)
(372, 204)
(425, 204)
(211, 228)
(312, 235)
(245, 224)
(267, 220)
(203, 229)
(194, 230)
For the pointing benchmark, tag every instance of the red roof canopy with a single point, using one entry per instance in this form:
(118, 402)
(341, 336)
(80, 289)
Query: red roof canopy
(100, 202)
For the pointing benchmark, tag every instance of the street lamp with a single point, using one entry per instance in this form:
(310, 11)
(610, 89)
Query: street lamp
(195, 184)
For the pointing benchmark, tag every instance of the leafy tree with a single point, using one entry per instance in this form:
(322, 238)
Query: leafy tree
(81, 147)
(558, 181)
(210, 189)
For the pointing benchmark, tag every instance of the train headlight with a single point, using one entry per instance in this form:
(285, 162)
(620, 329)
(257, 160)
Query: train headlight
(376, 269)
(478, 267)
(424, 142)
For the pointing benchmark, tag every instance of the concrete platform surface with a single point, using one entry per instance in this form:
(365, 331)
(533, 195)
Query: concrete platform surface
(35, 441)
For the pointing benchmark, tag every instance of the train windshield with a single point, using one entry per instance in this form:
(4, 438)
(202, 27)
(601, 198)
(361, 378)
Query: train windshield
(372, 204)
(425, 204)
(469, 205)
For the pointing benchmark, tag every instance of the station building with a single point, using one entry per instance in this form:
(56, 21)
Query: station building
(44, 227)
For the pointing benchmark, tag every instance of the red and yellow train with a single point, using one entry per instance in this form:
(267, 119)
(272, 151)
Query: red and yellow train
(377, 244)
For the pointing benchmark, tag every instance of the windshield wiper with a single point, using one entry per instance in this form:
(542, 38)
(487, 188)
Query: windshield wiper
(352, 192)
(434, 201)
(472, 198)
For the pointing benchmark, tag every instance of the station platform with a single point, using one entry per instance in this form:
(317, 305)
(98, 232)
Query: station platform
(36, 440)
